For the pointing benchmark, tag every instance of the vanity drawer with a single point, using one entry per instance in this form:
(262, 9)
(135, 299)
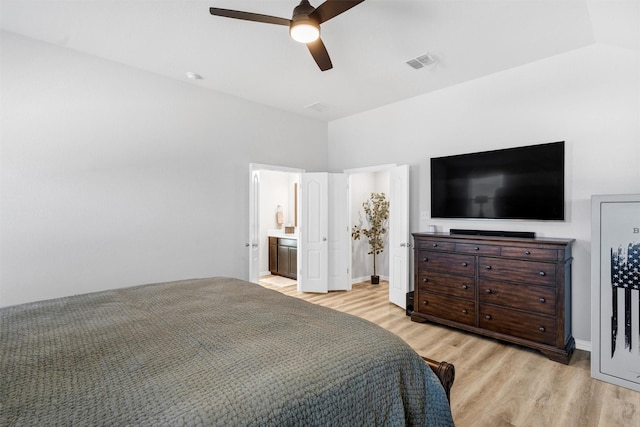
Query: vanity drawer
(293, 243)
(527, 272)
(538, 299)
(444, 262)
(451, 308)
(448, 284)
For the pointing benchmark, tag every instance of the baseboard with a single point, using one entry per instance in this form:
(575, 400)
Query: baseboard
(366, 279)
(583, 345)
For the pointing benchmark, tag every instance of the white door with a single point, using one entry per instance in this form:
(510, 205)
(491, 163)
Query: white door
(399, 238)
(313, 235)
(339, 233)
(254, 226)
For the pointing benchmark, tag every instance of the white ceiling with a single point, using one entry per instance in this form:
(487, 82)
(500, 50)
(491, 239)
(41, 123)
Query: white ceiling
(368, 44)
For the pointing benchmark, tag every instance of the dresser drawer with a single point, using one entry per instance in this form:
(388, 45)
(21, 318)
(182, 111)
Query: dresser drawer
(528, 272)
(538, 299)
(434, 245)
(478, 249)
(448, 284)
(451, 308)
(518, 324)
(529, 253)
(449, 263)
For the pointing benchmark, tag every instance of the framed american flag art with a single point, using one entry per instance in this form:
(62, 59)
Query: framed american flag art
(615, 289)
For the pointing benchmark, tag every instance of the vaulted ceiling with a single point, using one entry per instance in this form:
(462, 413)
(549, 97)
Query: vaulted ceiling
(369, 44)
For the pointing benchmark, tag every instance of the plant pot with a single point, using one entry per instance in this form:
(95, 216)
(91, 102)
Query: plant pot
(375, 280)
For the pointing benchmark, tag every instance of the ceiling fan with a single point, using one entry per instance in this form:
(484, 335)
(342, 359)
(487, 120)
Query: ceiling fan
(304, 26)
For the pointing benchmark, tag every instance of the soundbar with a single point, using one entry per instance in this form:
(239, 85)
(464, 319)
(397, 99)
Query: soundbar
(494, 233)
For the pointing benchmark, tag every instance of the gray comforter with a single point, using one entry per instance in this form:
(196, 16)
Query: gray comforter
(214, 351)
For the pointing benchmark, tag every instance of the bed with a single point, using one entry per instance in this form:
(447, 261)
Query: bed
(217, 351)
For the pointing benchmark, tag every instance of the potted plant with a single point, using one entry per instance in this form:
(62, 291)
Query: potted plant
(376, 210)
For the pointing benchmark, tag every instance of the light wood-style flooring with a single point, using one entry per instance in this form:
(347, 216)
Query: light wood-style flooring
(497, 384)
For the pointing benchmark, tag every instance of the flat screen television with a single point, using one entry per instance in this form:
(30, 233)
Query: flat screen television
(525, 183)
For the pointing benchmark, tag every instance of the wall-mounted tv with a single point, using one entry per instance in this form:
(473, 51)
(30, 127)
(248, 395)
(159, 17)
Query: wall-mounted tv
(524, 183)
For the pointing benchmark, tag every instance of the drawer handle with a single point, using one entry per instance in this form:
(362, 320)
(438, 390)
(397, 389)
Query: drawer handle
(488, 317)
(425, 280)
(527, 253)
(465, 287)
(541, 329)
(425, 302)
(464, 264)
(425, 259)
(488, 291)
(488, 267)
(542, 273)
(476, 248)
(542, 300)
(465, 312)
(435, 245)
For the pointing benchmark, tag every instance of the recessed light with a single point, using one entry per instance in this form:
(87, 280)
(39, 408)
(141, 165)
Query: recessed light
(193, 76)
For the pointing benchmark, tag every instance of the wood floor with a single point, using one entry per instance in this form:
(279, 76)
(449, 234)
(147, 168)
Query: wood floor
(496, 384)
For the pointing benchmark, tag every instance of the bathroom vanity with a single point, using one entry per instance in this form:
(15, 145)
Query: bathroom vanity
(283, 255)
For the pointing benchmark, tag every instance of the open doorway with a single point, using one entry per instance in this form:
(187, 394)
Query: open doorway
(361, 185)
(274, 213)
(393, 262)
(323, 255)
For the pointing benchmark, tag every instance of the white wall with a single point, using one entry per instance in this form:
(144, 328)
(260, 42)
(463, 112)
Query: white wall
(589, 98)
(111, 176)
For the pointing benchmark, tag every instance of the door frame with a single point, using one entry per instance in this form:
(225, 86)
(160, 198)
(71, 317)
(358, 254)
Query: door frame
(253, 243)
(368, 169)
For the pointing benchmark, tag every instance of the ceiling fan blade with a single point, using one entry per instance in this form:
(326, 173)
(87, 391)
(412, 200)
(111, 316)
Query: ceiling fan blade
(248, 16)
(332, 8)
(320, 54)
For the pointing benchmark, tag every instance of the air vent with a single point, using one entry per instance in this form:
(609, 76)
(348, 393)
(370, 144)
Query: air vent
(318, 106)
(421, 61)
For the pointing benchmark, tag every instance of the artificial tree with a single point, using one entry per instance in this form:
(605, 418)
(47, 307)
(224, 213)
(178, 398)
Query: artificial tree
(376, 210)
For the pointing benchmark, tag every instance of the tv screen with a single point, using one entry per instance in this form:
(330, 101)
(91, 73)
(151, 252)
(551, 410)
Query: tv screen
(515, 183)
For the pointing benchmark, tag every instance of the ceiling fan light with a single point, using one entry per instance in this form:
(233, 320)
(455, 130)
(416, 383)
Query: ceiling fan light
(305, 31)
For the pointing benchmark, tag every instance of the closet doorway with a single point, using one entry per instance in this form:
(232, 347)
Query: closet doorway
(393, 180)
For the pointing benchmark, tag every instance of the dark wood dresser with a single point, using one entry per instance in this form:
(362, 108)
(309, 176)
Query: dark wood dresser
(513, 289)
